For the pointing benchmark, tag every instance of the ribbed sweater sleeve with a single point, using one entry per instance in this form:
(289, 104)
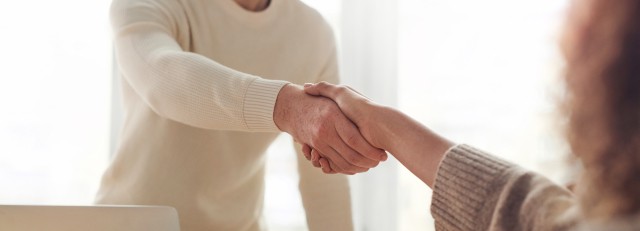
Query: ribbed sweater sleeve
(183, 86)
(476, 191)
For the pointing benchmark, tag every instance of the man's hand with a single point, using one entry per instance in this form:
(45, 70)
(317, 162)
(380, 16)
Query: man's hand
(318, 123)
(356, 107)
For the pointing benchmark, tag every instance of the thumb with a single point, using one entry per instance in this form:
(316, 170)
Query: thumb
(311, 89)
(320, 89)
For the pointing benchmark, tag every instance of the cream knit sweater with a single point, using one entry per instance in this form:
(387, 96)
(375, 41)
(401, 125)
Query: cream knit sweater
(200, 80)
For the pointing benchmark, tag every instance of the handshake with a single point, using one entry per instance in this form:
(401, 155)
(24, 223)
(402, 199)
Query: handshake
(340, 130)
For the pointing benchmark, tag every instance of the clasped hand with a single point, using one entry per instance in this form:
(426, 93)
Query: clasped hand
(358, 109)
(325, 131)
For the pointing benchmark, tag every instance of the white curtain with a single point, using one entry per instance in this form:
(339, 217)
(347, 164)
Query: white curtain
(368, 38)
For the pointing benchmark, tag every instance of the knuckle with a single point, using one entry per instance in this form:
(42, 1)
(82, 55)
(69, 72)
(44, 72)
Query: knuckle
(320, 118)
(318, 132)
(325, 128)
(315, 130)
(315, 140)
(328, 112)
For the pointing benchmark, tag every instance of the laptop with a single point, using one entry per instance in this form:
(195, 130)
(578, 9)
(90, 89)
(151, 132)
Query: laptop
(85, 218)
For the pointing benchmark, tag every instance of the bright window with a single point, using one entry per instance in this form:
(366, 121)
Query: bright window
(55, 98)
(485, 73)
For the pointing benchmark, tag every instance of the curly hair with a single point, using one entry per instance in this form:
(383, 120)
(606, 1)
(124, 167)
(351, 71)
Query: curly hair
(603, 83)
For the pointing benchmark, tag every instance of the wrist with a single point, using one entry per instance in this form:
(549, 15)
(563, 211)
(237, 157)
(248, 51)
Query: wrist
(401, 128)
(284, 104)
(389, 130)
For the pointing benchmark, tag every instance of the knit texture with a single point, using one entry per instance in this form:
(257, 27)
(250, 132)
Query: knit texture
(259, 103)
(200, 81)
(465, 180)
(477, 191)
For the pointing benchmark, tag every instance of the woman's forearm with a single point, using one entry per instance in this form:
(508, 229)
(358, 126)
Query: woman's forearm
(414, 145)
(419, 149)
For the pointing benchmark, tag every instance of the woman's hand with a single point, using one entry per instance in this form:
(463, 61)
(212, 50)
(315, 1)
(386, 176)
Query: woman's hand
(320, 123)
(413, 144)
(356, 107)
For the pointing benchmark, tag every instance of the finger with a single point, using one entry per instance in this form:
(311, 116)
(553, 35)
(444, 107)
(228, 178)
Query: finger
(315, 157)
(321, 89)
(341, 165)
(334, 91)
(349, 154)
(306, 150)
(350, 134)
(333, 166)
(326, 168)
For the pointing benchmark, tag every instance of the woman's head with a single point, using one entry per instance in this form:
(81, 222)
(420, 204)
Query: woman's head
(602, 48)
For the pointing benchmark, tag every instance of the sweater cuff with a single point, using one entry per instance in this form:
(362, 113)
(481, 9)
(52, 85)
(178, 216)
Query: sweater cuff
(259, 102)
(464, 188)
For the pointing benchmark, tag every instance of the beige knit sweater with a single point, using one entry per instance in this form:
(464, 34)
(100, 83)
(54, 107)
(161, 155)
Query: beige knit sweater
(476, 191)
(200, 80)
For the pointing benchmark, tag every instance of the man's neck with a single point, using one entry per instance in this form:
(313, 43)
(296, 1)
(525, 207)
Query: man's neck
(253, 5)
